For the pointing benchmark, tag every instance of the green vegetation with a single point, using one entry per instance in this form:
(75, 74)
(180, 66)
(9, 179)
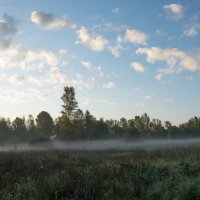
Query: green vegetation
(74, 124)
(136, 174)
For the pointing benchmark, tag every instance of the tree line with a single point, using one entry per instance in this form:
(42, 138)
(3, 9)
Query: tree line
(74, 124)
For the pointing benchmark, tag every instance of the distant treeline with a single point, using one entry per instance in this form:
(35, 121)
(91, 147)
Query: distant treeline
(73, 124)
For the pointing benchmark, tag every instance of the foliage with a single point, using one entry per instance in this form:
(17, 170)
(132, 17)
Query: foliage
(45, 123)
(133, 174)
(70, 103)
(74, 124)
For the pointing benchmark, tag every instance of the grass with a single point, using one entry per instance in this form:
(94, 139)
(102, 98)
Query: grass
(170, 173)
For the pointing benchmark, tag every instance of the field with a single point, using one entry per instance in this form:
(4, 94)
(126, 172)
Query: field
(166, 173)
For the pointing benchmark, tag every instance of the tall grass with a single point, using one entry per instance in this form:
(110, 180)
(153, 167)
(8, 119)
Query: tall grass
(172, 173)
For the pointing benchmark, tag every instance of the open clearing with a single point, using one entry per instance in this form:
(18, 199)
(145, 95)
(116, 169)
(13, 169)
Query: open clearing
(164, 173)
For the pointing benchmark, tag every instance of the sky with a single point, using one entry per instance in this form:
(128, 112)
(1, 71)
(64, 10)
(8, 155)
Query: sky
(123, 58)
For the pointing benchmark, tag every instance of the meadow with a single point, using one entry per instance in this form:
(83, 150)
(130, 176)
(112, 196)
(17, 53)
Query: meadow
(164, 173)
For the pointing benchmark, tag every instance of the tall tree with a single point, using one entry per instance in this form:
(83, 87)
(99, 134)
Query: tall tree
(19, 129)
(30, 123)
(4, 129)
(89, 124)
(70, 104)
(45, 123)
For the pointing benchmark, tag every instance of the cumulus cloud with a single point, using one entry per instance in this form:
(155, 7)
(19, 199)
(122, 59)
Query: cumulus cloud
(86, 64)
(192, 30)
(131, 35)
(8, 26)
(80, 82)
(137, 67)
(93, 41)
(50, 22)
(34, 80)
(173, 11)
(109, 85)
(176, 60)
(24, 59)
(54, 76)
(17, 80)
(63, 51)
(115, 50)
(28, 95)
(136, 36)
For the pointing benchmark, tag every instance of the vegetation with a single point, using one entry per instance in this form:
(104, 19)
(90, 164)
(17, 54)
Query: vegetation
(73, 124)
(137, 174)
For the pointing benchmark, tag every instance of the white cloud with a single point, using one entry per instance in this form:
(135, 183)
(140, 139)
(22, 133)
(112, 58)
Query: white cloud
(63, 51)
(116, 10)
(34, 80)
(135, 36)
(80, 82)
(98, 71)
(115, 50)
(54, 76)
(17, 80)
(93, 41)
(50, 22)
(109, 85)
(30, 94)
(173, 11)
(86, 64)
(24, 59)
(137, 67)
(175, 59)
(192, 31)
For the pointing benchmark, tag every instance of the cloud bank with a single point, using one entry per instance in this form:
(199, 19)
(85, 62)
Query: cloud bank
(176, 60)
(50, 22)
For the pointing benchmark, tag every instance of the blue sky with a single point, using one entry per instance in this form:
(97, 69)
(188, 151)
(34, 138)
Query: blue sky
(124, 58)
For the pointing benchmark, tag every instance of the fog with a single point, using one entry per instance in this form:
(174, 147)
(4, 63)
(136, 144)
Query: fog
(103, 145)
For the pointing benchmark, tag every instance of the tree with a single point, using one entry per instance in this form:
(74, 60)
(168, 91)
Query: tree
(30, 123)
(4, 129)
(145, 119)
(89, 124)
(19, 124)
(168, 125)
(123, 123)
(19, 129)
(64, 128)
(45, 123)
(101, 130)
(70, 103)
